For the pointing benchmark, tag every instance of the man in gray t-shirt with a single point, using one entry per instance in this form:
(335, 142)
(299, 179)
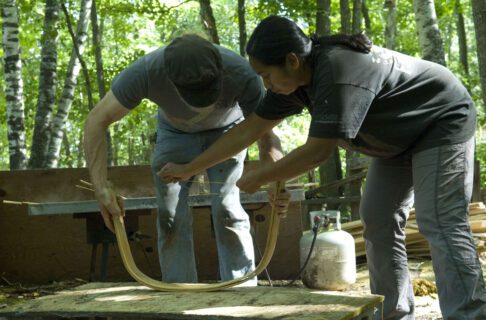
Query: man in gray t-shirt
(202, 90)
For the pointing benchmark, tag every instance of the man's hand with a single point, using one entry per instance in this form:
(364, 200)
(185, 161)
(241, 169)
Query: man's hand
(281, 202)
(111, 206)
(173, 172)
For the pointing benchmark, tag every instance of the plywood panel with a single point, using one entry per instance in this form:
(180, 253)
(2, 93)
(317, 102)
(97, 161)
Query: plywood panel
(130, 301)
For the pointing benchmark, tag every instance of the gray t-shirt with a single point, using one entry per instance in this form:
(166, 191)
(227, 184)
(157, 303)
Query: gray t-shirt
(381, 104)
(242, 91)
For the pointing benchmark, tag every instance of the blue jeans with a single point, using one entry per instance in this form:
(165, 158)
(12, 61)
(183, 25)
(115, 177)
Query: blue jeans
(174, 217)
(440, 181)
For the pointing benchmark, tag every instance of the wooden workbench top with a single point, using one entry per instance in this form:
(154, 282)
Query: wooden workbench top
(132, 301)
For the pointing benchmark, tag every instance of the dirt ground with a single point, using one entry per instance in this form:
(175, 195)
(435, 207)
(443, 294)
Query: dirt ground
(426, 300)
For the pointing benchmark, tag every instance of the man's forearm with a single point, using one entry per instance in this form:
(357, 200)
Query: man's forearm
(96, 154)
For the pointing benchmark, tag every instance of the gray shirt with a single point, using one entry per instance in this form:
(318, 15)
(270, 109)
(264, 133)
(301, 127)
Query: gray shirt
(242, 91)
(381, 104)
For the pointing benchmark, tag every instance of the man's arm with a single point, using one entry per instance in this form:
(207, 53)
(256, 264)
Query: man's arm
(107, 111)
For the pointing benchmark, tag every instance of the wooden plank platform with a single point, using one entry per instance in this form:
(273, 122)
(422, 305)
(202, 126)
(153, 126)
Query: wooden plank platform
(132, 301)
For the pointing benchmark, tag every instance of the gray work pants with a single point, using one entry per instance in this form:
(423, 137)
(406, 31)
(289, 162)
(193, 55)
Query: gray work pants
(440, 179)
(174, 217)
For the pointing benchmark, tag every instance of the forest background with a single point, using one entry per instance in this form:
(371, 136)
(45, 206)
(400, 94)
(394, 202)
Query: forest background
(59, 58)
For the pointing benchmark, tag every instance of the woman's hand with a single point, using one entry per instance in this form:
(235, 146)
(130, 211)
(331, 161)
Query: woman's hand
(250, 181)
(173, 172)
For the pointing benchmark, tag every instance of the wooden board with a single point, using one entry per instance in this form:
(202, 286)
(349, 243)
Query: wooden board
(132, 301)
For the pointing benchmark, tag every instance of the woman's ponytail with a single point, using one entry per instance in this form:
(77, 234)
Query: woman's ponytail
(359, 41)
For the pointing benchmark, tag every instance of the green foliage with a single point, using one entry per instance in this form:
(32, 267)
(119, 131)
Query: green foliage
(133, 28)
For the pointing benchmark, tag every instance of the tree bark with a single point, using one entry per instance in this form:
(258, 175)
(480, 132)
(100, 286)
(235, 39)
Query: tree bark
(208, 21)
(357, 8)
(13, 86)
(366, 17)
(391, 23)
(100, 76)
(242, 27)
(323, 17)
(352, 189)
(345, 17)
(67, 97)
(462, 37)
(330, 171)
(479, 14)
(428, 31)
(47, 86)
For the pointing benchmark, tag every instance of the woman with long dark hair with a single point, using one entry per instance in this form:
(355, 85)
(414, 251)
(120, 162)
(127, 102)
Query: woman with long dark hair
(414, 119)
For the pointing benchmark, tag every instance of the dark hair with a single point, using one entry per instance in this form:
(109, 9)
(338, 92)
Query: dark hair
(275, 37)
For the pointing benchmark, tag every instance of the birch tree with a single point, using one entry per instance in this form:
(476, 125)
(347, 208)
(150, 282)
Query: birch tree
(391, 23)
(428, 31)
(479, 14)
(70, 82)
(47, 86)
(13, 86)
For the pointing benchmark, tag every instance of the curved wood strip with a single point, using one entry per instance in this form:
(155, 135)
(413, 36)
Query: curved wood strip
(140, 277)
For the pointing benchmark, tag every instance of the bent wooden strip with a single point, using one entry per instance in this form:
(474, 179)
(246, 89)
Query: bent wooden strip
(140, 277)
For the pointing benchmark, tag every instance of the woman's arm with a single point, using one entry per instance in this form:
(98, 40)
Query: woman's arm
(299, 161)
(232, 142)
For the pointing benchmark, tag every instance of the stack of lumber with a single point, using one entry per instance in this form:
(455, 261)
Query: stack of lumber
(417, 246)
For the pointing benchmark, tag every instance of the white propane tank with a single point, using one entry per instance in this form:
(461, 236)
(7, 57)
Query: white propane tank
(332, 264)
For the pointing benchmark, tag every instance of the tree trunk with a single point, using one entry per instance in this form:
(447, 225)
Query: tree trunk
(366, 17)
(323, 17)
(329, 171)
(80, 161)
(69, 85)
(13, 86)
(479, 14)
(428, 31)
(357, 8)
(47, 86)
(391, 23)
(352, 189)
(208, 21)
(345, 17)
(67, 150)
(462, 38)
(242, 26)
(97, 34)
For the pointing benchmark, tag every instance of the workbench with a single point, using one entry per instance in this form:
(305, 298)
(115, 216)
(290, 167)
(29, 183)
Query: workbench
(98, 234)
(45, 238)
(119, 301)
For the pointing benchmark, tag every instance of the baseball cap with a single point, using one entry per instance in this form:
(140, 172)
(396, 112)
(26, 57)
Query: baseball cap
(194, 65)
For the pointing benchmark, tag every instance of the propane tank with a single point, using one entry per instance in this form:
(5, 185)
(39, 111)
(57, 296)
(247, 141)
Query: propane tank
(332, 264)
